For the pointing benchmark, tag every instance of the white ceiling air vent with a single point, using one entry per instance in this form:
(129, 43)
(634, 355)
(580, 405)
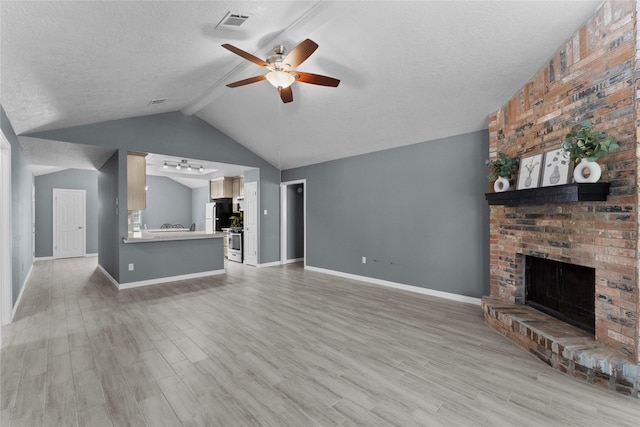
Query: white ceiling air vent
(157, 101)
(232, 20)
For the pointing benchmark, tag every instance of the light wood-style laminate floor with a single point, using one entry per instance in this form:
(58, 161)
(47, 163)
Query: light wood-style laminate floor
(276, 346)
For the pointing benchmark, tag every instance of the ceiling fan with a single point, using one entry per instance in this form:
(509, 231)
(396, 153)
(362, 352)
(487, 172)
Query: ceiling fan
(282, 68)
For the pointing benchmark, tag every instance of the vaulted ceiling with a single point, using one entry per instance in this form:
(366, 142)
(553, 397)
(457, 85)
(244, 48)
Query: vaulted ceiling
(410, 71)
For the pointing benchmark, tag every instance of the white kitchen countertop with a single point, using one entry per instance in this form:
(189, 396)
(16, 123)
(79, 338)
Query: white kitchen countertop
(169, 234)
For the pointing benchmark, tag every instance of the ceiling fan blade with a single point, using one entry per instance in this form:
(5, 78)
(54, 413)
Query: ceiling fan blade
(300, 53)
(246, 55)
(316, 79)
(247, 81)
(286, 94)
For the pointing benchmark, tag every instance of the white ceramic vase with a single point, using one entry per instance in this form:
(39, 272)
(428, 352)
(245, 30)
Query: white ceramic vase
(595, 171)
(501, 184)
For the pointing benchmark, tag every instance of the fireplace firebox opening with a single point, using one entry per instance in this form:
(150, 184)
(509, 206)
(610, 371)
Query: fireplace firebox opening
(564, 291)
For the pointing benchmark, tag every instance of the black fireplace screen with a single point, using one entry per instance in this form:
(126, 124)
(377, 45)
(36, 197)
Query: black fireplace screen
(565, 291)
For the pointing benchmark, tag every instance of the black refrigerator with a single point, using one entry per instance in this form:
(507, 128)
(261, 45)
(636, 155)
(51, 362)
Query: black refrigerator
(223, 211)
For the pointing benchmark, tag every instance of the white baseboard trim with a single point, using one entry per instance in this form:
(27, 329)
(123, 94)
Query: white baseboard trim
(24, 286)
(291, 261)
(131, 285)
(269, 264)
(410, 288)
(113, 281)
(50, 258)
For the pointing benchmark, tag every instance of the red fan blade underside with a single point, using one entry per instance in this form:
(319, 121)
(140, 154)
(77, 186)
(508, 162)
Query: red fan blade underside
(286, 94)
(246, 55)
(300, 53)
(316, 79)
(247, 81)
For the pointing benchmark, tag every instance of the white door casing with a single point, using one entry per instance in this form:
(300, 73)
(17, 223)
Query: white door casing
(283, 223)
(6, 294)
(69, 223)
(251, 223)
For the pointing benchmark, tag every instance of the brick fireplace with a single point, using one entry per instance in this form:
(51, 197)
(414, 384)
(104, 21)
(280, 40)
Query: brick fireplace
(591, 77)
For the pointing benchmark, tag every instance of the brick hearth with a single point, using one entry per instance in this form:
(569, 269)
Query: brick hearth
(591, 77)
(562, 346)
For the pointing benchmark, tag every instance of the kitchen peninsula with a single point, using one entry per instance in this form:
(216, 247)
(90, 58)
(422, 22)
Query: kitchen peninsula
(159, 256)
(163, 235)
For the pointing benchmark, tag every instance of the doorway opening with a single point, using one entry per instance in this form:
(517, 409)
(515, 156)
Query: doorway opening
(293, 222)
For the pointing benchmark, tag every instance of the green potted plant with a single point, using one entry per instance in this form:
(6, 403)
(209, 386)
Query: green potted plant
(500, 169)
(236, 221)
(585, 145)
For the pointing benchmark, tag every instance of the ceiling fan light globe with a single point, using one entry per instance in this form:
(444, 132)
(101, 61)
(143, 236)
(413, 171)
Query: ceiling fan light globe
(280, 79)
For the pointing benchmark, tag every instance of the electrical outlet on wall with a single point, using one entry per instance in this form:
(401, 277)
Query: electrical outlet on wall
(364, 259)
(130, 267)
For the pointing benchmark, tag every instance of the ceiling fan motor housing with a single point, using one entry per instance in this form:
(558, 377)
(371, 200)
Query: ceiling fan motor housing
(277, 59)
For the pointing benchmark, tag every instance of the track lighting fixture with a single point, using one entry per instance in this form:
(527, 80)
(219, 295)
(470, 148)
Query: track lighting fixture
(183, 163)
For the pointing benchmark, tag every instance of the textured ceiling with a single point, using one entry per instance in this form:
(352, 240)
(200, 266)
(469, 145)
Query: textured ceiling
(47, 156)
(410, 71)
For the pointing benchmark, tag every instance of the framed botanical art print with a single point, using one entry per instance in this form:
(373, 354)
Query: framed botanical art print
(556, 169)
(529, 174)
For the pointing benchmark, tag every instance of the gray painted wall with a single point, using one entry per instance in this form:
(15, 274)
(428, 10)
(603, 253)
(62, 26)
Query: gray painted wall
(295, 221)
(21, 209)
(168, 201)
(175, 258)
(199, 198)
(108, 213)
(71, 179)
(417, 213)
(185, 136)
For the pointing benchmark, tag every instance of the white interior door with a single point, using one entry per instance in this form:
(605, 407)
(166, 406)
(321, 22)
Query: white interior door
(6, 296)
(69, 223)
(251, 223)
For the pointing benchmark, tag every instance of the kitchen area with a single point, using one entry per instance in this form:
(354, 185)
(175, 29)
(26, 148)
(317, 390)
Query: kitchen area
(225, 213)
(181, 201)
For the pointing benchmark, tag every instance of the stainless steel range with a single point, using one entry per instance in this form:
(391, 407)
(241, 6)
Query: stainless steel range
(235, 251)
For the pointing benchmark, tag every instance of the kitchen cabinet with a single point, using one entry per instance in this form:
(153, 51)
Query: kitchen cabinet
(221, 188)
(238, 186)
(237, 190)
(136, 181)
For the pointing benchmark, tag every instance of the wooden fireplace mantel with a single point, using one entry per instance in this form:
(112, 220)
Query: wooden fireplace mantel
(594, 192)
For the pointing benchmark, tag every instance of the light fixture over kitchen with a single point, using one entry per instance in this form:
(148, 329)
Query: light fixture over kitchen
(183, 163)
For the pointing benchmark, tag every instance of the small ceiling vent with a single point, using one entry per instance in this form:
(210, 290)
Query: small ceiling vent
(232, 20)
(157, 101)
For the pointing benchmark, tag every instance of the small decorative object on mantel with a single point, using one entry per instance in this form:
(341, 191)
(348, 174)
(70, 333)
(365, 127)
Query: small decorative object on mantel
(556, 168)
(500, 170)
(529, 175)
(585, 145)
